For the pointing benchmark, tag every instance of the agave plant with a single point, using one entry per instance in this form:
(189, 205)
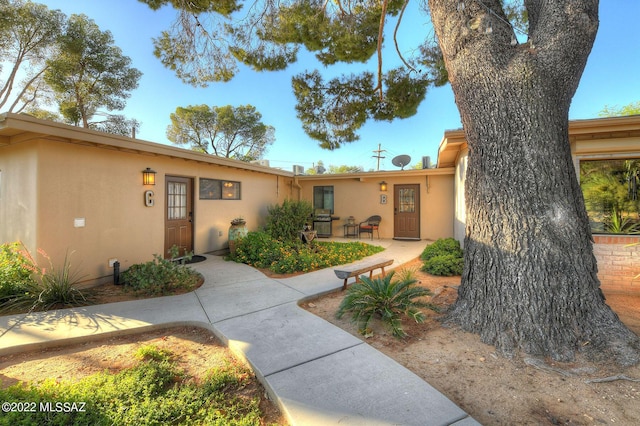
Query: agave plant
(50, 287)
(622, 225)
(386, 299)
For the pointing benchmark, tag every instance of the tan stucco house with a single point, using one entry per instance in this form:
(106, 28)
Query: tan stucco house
(64, 188)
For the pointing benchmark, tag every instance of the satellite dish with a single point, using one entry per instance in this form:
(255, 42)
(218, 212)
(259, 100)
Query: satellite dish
(401, 161)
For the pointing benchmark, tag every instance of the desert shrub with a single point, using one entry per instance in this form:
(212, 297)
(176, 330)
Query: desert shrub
(152, 352)
(154, 391)
(386, 299)
(159, 276)
(259, 250)
(440, 247)
(52, 286)
(16, 269)
(443, 258)
(284, 222)
(445, 265)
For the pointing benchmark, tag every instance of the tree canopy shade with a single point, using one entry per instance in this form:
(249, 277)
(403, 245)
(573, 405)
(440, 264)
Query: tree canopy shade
(90, 72)
(530, 278)
(202, 47)
(28, 34)
(227, 131)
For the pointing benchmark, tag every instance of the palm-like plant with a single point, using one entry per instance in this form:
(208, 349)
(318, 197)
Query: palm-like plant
(386, 299)
(50, 287)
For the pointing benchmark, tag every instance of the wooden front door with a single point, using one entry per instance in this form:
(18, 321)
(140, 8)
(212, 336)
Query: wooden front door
(178, 215)
(406, 210)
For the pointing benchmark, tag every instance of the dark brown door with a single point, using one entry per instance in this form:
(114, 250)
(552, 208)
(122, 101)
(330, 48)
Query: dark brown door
(406, 208)
(178, 215)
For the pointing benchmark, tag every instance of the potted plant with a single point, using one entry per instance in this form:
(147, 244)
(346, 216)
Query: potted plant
(238, 221)
(237, 231)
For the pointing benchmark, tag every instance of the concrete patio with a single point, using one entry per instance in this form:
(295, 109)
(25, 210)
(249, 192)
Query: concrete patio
(317, 373)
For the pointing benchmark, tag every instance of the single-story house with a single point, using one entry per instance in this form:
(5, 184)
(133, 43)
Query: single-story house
(110, 198)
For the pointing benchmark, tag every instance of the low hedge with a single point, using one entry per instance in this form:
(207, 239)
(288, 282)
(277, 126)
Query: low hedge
(443, 258)
(259, 250)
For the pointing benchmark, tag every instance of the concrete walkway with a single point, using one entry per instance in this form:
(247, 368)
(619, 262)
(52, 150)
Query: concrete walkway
(317, 373)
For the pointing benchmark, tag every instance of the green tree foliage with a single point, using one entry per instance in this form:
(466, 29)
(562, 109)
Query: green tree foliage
(89, 73)
(28, 34)
(332, 112)
(345, 169)
(117, 124)
(202, 47)
(320, 169)
(617, 111)
(226, 131)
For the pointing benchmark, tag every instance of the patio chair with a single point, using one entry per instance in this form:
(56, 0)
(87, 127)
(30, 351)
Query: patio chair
(368, 226)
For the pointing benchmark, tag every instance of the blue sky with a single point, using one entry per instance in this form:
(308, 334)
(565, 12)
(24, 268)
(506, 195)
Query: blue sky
(610, 78)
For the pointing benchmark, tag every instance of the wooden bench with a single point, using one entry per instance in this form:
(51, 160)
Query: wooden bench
(346, 272)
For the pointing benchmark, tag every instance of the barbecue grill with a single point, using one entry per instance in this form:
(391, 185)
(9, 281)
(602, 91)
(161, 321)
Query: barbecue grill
(322, 222)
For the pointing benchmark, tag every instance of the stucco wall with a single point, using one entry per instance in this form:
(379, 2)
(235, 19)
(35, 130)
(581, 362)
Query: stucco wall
(18, 201)
(360, 197)
(102, 187)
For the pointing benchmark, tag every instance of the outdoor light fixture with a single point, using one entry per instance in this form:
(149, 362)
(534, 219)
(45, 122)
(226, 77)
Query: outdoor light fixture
(383, 186)
(148, 177)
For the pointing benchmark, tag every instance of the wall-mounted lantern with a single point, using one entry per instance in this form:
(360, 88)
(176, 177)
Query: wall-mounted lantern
(148, 177)
(383, 186)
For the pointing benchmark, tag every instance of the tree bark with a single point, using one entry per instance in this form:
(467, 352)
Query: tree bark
(530, 278)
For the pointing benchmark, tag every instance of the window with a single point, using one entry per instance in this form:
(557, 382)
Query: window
(215, 189)
(610, 189)
(407, 200)
(323, 197)
(177, 201)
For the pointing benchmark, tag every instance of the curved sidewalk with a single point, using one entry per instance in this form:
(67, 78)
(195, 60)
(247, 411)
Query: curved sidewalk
(317, 373)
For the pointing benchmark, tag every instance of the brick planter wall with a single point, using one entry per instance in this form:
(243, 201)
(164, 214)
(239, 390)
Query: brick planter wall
(618, 264)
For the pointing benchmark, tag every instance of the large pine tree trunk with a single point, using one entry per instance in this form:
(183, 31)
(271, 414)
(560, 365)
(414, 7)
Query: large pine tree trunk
(530, 278)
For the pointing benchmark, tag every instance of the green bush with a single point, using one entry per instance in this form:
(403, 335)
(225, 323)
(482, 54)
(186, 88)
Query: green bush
(155, 391)
(443, 258)
(52, 286)
(259, 250)
(16, 269)
(285, 222)
(441, 247)
(159, 276)
(445, 265)
(152, 352)
(385, 299)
